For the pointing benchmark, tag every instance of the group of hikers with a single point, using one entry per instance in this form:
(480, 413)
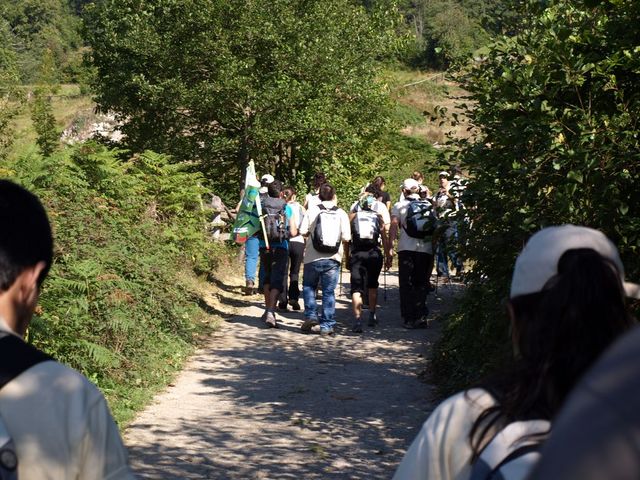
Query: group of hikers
(318, 235)
(564, 409)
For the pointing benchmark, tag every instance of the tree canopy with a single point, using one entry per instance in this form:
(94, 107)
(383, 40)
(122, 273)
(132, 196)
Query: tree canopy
(291, 84)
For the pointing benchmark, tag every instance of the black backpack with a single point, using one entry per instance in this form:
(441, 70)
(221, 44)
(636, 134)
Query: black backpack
(365, 229)
(275, 220)
(421, 220)
(327, 233)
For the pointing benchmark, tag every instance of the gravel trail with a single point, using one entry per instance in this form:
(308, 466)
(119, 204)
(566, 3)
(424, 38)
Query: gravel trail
(258, 403)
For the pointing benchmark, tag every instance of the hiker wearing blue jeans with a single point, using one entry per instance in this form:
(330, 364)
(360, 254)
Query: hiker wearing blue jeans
(328, 230)
(251, 252)
(324, 272)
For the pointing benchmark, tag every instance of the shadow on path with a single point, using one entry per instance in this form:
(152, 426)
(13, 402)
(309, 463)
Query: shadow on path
(280, 404)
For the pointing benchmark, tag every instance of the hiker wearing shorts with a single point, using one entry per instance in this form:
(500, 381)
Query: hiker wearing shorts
(370, 222)
(278, 227)
(415, 255)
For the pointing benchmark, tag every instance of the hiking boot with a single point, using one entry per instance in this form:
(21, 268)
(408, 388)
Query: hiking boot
(308, 325)
(357, 326)
(282, 306)
(270, 320)
(373, 319)
(295, 304)
(315, 328)
(326, 331)
(249, 287)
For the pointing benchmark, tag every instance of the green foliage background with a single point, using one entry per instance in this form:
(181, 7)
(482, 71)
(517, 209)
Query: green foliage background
(128, 232)
(557, 109)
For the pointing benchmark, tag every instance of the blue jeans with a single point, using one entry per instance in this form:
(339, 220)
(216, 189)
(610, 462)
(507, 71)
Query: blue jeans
(251, 251)
(325, 273)
(446, 248)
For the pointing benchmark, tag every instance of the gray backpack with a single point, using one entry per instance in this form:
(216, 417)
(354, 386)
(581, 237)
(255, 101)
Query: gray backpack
(16, 356)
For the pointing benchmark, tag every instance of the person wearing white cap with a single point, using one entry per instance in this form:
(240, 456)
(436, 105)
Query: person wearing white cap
(567, 305)
(415, 256)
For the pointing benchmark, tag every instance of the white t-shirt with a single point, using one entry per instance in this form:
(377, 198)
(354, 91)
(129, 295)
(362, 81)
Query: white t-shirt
(61, 426)
(308, 224)
(312, 200)
(406, 242)
(442, 450)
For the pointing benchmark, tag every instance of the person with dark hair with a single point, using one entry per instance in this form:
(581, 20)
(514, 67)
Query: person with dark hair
(329, 232)
(291, 293)
(596, 434)
(383, 196)
(278, 226)
(58, 420)
(567, 305)
(369, 230)
(312, 199)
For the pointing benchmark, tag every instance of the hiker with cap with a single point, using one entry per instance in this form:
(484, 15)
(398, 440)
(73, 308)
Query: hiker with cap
(57, 420)
(252, 245)
(446, 208)
(414, 220)
(566, 306)
(329, 232)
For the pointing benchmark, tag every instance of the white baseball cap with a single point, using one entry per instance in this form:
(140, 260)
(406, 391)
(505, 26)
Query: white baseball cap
(443, 173)
(410, 184)
(266, 178)
(538, 261)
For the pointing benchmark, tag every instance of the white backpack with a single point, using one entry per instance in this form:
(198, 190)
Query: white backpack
(327, 232)
(512, 453)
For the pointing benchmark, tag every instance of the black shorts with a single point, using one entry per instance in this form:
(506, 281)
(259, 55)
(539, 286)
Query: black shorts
(365, 269)
(273, 268)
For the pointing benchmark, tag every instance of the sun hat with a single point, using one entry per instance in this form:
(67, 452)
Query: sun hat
(410, 184)
(538, 261)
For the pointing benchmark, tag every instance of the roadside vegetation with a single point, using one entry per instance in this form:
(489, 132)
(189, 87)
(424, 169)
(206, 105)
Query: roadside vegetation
(537, 102)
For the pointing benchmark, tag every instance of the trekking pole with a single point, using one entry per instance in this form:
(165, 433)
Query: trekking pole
(385, 285)
(340, 280)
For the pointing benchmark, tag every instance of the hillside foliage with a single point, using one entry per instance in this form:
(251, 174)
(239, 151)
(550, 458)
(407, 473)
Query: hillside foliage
(127, 232)
(556, 109)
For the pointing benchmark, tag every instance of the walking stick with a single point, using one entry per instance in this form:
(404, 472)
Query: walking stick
(340, 280)
(385, 285)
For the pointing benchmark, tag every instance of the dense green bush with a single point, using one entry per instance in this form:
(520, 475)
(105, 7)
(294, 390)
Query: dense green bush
(114, 306)
(556, 110)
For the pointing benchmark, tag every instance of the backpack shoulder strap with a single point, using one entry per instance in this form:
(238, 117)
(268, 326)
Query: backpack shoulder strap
(17, 356)
(321, 207)
(511, 443)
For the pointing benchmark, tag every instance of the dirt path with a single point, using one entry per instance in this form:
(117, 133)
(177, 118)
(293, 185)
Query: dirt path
(280, 404)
